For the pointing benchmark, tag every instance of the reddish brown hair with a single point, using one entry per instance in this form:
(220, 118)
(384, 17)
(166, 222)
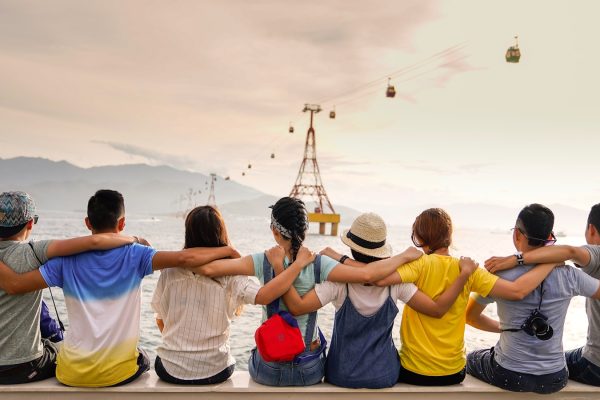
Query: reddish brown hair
(433, 228)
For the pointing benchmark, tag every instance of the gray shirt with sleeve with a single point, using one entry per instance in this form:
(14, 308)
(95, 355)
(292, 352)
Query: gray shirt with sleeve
(591, 351)
(20, 337)
(519, 352)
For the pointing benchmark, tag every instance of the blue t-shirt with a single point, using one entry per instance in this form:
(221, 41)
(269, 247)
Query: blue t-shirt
(519, 352)
(303, 283)
(102, 295)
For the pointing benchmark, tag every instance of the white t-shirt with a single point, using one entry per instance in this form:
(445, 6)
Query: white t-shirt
(197, 313)
(366, 299)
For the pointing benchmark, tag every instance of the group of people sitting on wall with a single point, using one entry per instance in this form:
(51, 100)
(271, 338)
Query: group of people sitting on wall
(101, 274)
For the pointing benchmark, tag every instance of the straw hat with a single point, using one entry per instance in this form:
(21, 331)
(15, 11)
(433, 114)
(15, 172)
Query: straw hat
(367, 235)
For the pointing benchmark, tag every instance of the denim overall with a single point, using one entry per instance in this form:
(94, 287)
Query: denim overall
(308, 367)
(362, 353)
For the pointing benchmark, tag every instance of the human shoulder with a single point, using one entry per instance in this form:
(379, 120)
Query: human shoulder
(593, 267)
(329, 292)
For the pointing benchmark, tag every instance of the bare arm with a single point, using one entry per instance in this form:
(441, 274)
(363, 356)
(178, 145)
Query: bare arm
(14, 283)
(295, 304)
(547, 254)
(477, 319)
(191, 258)
(374, 271)
(283, 280)
(227, 267)
(524, 285)
(329, 252)
(438, 308)
(100, 241)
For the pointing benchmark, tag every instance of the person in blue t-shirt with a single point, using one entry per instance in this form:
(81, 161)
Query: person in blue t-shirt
(289, 223)
(529, 356)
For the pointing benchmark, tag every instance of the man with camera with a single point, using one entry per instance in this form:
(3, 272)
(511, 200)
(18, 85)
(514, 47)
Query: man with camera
(529, 355)
(584, 362)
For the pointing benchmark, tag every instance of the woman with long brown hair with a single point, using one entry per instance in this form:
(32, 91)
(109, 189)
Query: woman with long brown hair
(194, 312)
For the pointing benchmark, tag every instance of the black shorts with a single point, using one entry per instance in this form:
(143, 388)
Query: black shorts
(31, 371)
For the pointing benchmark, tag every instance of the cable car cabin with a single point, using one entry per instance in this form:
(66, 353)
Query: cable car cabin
(391, 91)
(513, 54)
(272, 155)
(332, 114)
(227, 178)
(243, 174)
(291, 128)
(249, 166)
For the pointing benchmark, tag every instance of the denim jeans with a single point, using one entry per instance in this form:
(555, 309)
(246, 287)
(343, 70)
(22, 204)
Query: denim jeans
(286, 373)
(481, 365)
(582, 370)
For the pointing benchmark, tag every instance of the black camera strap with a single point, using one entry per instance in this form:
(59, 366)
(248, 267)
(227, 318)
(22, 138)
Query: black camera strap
(538, 309)
(62, 327)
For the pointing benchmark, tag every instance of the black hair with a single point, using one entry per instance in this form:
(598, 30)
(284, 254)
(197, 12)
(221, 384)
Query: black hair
(594, 217)
(292, 215)
(10, 231)
(105, 208)
(538, 222)
(363, 258)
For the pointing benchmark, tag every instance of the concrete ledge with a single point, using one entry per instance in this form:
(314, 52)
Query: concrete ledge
(241, 386)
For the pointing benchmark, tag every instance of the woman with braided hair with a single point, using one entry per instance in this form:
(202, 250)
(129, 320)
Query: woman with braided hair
(289, 223)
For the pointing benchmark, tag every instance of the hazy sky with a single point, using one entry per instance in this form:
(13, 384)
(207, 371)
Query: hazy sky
(212, 86)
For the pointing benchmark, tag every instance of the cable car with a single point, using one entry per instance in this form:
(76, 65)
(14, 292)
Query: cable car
(513, 54)
(291, 128)
(227, 178)
(272, 155)
(249, 166)
(391, 90)
(243, 174)
(332, 113)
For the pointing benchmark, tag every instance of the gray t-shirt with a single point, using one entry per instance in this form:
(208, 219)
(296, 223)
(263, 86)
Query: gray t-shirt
(591, 351)
(519, 352)
(20, 337)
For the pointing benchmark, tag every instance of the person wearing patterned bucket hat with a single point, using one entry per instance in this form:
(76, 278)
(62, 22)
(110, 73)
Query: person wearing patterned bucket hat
(25, 356)
(362, 353)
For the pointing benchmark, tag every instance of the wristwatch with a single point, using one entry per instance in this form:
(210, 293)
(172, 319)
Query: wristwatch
(343, 258)
(519, 256)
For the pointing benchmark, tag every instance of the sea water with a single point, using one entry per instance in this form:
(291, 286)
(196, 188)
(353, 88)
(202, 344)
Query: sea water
(250, 234)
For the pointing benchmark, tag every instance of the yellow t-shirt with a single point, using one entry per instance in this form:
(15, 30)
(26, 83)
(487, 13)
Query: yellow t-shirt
(431, 346)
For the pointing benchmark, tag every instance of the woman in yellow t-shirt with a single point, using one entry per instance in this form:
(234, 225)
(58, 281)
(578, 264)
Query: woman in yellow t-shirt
(433, 351)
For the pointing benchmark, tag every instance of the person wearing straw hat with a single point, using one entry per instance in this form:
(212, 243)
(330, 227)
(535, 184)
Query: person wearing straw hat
(362, 353)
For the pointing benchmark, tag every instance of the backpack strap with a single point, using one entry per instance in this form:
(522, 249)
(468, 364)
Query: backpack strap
(312, 317)
(60, 324)
(273, 307)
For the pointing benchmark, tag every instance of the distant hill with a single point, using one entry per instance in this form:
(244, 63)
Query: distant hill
(147, 189)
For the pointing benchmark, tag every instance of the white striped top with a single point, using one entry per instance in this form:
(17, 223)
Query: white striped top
(197, 312)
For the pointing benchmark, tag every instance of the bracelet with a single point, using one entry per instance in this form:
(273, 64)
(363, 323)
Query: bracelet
(343, 258)
(520, 260)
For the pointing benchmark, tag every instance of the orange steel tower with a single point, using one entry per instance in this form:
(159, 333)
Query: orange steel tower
(309, 184)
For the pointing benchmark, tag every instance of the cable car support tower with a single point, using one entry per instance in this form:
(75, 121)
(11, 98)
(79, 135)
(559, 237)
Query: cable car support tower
(211, 197)
(309, 184)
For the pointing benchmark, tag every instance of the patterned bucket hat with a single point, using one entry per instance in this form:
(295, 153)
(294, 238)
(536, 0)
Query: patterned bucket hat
(16, 209)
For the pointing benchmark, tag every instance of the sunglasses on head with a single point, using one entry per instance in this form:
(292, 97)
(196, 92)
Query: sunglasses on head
(546, 242)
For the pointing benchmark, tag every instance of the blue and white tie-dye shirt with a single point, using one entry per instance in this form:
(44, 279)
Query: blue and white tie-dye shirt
(102, 295)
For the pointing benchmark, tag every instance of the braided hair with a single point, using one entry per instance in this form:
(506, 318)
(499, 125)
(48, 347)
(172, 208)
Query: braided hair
(292, 215)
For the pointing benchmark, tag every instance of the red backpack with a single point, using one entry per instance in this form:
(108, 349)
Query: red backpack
(279, 339)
